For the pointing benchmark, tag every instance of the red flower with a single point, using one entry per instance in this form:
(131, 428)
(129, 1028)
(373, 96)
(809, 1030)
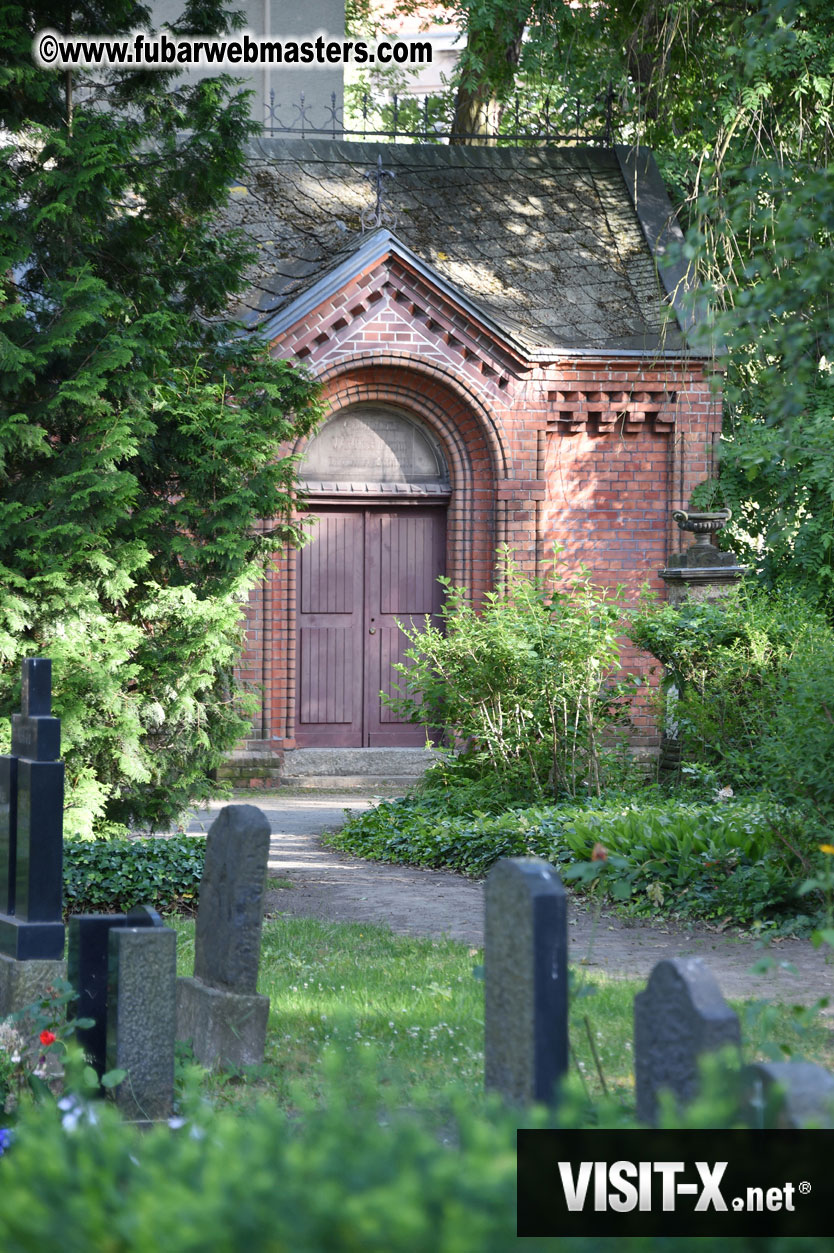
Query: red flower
(47, 1038)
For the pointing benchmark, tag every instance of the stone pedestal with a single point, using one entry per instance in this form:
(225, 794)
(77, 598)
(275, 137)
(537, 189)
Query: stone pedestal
(23, 983)
(701, 582)
(225, 1028)
(702, 571)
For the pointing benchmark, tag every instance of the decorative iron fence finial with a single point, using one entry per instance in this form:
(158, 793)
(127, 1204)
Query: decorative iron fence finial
(380, 215)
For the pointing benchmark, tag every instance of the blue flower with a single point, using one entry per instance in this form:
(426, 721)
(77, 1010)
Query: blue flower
(5, 1139)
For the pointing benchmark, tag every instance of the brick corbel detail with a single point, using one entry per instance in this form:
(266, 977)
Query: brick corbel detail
(605, 408)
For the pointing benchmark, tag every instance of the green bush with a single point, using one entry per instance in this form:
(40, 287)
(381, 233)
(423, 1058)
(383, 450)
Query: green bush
(699, 859)
(349, 1176)
(754, 677)
(109, 876)
(527, 683)
(337, 1179)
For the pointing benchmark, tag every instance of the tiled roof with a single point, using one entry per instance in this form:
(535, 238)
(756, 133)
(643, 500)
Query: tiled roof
(546, 241)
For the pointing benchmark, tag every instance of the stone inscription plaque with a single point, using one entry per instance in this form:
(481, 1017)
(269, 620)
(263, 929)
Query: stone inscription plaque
(374, 445)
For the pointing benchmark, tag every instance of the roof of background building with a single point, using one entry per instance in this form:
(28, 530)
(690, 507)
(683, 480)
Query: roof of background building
(545, 241)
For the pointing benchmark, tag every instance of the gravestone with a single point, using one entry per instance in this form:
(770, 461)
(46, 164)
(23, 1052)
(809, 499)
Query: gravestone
(787, 1095)
(219, 1009)
(31, 846)
(526, 972)
(87, 967)
(678, 1017)
(141, 1018)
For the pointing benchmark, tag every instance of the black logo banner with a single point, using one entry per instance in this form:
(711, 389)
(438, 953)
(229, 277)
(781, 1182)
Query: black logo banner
(675, 1183)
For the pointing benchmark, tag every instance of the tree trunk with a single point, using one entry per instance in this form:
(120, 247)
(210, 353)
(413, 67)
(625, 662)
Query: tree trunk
(495, 48)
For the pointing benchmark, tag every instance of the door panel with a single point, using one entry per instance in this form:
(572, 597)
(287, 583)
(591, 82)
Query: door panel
(330, 613)
(404, 556)
(362, 569)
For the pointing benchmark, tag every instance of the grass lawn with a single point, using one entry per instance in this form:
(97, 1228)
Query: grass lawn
(416, 1006)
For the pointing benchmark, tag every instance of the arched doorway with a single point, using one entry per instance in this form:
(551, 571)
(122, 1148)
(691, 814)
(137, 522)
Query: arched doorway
(378, 483)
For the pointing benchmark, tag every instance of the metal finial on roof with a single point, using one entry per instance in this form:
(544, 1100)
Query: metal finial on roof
(380, 215)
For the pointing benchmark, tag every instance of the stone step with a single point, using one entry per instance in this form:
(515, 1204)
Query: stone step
(349, 782)
(328, 769)
(380, 762)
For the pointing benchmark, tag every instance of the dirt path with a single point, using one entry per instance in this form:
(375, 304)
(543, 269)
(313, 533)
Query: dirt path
(339, 888)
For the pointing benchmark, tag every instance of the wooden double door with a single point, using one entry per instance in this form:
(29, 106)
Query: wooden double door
(364, 568)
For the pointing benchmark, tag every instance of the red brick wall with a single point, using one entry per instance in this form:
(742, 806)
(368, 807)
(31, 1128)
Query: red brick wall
(592, 454)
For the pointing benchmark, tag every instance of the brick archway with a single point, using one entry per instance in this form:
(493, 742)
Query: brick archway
(476, 459)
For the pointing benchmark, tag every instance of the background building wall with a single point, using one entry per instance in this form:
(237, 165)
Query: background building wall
(281, 20)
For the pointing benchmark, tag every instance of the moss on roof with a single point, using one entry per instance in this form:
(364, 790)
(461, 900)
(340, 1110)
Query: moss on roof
(545, 240)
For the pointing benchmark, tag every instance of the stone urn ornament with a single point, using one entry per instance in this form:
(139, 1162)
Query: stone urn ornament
(704, 525)
(701, 571)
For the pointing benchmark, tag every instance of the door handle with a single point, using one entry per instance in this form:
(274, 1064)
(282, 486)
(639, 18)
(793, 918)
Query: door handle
(372, 630)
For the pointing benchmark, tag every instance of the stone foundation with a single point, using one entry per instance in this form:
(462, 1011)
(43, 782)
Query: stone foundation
(225, 1028)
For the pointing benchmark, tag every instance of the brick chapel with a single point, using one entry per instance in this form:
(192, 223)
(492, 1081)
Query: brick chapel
(505, 359)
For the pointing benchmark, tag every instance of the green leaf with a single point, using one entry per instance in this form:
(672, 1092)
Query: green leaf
(112, 1078)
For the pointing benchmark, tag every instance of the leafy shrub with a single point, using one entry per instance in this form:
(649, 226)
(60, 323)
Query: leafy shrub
(754, 675)
(337, 1179)
(352, 1174)
(527, 683)
(700, 860)
(460, 785)
(109, 876)
(781, 514)
(704, 860)
(796, 750)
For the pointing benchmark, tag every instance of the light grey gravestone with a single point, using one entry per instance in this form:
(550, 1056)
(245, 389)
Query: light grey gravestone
(141, 1018)
(218, 1009)
(526, 974)
(678, 1017)
(787, 1095)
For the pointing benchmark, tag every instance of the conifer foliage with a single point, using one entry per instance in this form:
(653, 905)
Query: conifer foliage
(139, 428)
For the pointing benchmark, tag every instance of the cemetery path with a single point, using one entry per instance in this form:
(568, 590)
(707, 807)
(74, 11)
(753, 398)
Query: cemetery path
(309, 880)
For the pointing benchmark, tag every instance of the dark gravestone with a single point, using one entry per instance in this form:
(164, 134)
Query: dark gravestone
(31, 825)
(141, 1018)
(678, 1017)
(227, 943)
(218, 1009)
(8, 832)
(87, 965)
(526, 971)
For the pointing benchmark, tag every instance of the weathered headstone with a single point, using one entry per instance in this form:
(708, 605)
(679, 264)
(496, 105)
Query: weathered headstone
(526, 972)
(787, 1094)
(87, 969)
(31, 845)
(141, 1018)
(218, 1009)
(678, 1017)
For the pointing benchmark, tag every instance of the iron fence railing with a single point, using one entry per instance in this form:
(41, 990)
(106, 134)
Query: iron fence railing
(430, 119)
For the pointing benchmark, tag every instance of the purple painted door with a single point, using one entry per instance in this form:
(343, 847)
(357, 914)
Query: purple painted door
(363, 569)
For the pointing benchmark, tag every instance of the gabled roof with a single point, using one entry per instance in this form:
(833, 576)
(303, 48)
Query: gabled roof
(363, 253)
(544, 246)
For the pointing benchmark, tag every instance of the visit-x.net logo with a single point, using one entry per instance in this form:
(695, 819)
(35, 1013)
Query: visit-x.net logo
(696, 1183)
